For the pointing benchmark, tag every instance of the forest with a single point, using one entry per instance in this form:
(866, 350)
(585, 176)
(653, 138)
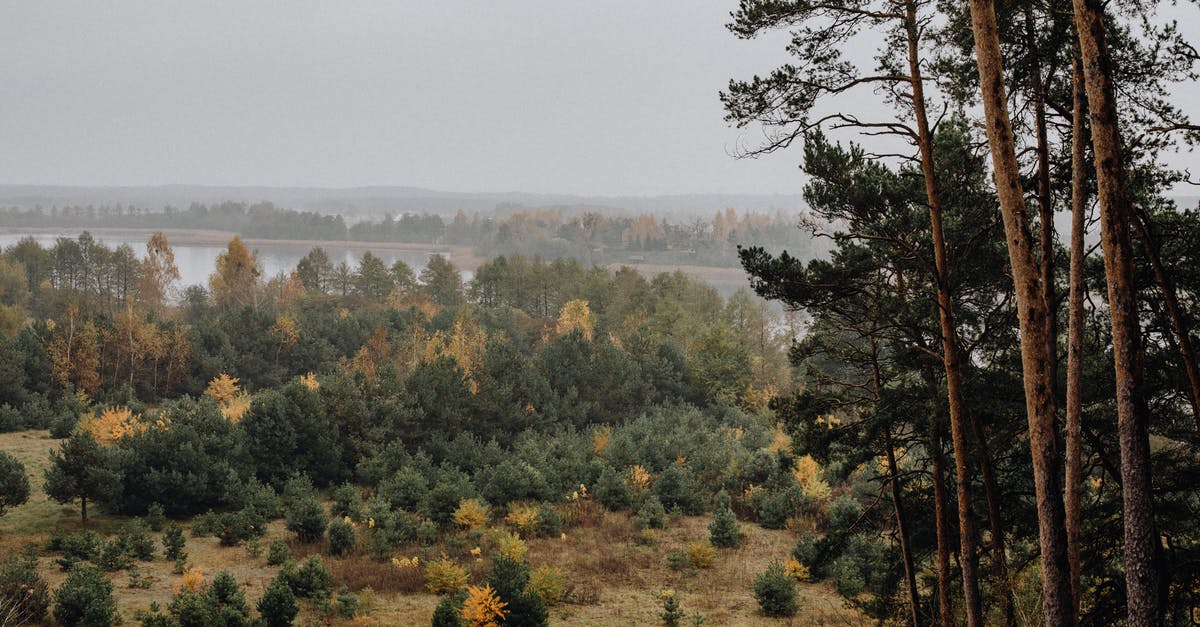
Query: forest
(958, 412)
(592, 235)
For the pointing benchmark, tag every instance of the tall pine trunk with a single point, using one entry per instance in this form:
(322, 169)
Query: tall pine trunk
(968, 555)
(1031, 310)
(1133, 416)
(1075, 330)
(941, 524)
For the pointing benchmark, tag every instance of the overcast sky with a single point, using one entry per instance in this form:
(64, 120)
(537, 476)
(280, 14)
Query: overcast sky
(601, 97)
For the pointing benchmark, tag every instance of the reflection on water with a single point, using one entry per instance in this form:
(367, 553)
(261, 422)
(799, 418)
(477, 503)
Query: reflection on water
(196, 262)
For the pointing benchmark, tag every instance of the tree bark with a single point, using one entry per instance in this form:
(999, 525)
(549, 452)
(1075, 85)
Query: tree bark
(1032, 314)
(968, 555)
(942, 526)
(1133, 417)
(1171, 299)
(1075, 330)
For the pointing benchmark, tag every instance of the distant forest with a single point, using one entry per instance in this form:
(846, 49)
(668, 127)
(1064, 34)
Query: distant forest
(551, 233)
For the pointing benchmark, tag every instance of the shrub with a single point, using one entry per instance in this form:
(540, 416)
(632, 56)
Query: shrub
(548, 582)
(471, 514)
(85, 599)
(775, 591)
(404, 490)
(676, 488)
(701, 554)
(448, 612)
(549, 521)
(173, 543)
(774, 508)
(443, 500)
(155, 517)
(796, 570)
(724, 531)
(113, 556)
(311, 581)
(652, 514)
(482, 607)
(510, 579)
(523, 517)
(514, 480)
(347, 502)
(677, 560)
(233, 528)
(206, 524)
(510, 545)
(278, 552)
(257, 497)
(443, 576)
(341, 537)
(24, 596)
(347, 604)
(79, 546)
(671, 615)
(610, 489)
(306, 518)
(14, 482)
(843, 512)
(278, 604)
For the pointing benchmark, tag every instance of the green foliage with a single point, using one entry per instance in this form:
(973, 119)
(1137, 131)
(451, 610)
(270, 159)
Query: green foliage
(724, 531)
(278, 552)
(310, 581)
(81, 469)
(341, 537)
(14, 483)
(303, 513)
(84, 545)
(234, 528)
(676, 488)
(113, 557)
(173, 543)
(406, 489)
(347, 502)
(85, 599)
(610, 489)
(288, 431)
(549, 521)
(510, 579)
(448, 612)
(155, 517)
(844, 511)
(23, 593)
(652, 515)
(278, 604)
(775, 591)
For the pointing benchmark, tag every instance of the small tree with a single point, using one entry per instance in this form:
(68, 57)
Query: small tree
(724, 531)
(85, 599)
(341, 537)
(306, 517)
(173, 543)
(14, 483)
(81, 469)
(775, 591)
(278, 604)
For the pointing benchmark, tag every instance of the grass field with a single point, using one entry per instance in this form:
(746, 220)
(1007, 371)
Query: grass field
(613, 571)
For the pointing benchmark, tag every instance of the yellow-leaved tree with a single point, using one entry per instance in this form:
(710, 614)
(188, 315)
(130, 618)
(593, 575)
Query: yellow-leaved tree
(225, 391)
(235, 282)
(576, 315)
(112, 424)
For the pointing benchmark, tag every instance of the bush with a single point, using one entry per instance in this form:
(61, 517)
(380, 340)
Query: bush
(610, 489)
(341, 537)
(306, 518)
(514, 480)
(448, 612)
(510, 579)
(278, 552)
(775, 591)
(155, 517)
(843, 512)
(80, 546)
(549, 521)
(63, 424)
(548, 582)
(173, 543)
(278, 604)
(724, 531)
(257, 497)
(523, 517)
(774, 508)
(85, 599)
(347, 604)
(14, 482)
(471, 514)
(510, 545)
(443, 500)
(701, 554)
(443, 576)
(113, 556)
(206, 524)
(652, 514)
(311, 581)
(677, 560)
(23, 593)
(233, 528)
(676, 488)
(347, 502)
(406, 489)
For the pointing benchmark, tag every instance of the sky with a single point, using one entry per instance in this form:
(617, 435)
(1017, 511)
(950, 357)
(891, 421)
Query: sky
(613, 97)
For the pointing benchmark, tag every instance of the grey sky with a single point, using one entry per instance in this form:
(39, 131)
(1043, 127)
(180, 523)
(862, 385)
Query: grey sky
(607, 97)
(611, 97)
